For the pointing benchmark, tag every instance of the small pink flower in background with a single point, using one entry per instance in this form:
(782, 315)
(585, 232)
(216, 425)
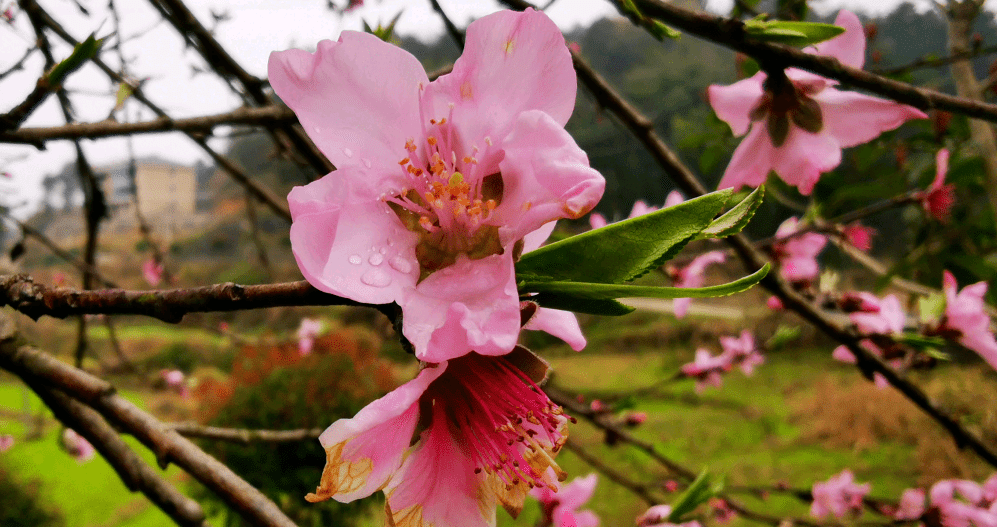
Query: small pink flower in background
(742, 351)
(863, 301)
(448, 475)
(640, 208)
(673, 198)
(560, 508)
(597, 406)
(707, 369)
(888, 319)
(838, 496)
(964, 316)
(858, 235)
(693, 275)
(635, 418)
(797, 254)
(223, 326)
(6, 442)
(176, 381)
(938, 199)
(152, 272)
(671, 485)
(307, 331)
(597, 221)
(657, 516)
(972, 509)
(437, 181)
(722, 512)
(798, 124)
(774, 303)
(911, 505)
(77, 446)
(989, 488)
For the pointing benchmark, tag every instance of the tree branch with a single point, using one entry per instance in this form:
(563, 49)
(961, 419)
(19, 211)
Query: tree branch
(244, 435)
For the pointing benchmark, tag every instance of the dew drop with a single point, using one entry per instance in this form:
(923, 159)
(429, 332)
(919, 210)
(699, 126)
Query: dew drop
(366, 163)
(375, 259)
(347, 152)
(400, 264)
(355, 259)
(376, 278)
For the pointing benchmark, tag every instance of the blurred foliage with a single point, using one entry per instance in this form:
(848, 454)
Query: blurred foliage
(20, 506)
(276, 387)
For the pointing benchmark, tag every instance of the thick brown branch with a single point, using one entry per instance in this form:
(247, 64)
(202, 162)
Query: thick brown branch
(169, 305)
(269, 115)
(169, 446)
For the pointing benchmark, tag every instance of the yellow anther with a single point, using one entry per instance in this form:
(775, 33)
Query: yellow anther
(431, 140)
(404, 162)
(425, 223)
(491, 205)
(410, 145)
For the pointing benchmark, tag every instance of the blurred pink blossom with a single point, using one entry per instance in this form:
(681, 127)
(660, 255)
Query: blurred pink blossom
(797, 254)
(635, 418)
(972, 509)
(560, 507)
(858, 235)
(799, 122)
(838, 496)
(722, 512)
(597, 406)
(707, 369)
(938, 199)
(307, 331)
(640, 208)
(911, 505)
(693, 275)
(965, 317)
(888, 319)
(437, 182)
(152, 272)
(657, 516)
(742, 351)
(77, 446)
(6, 442)
(774, 303)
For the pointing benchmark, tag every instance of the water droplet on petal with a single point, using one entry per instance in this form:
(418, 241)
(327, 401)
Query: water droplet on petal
(355, 259)
(347, 152)
(400, 264)
(366, 163)
(375, 259)
(383, 250)
(376, 278)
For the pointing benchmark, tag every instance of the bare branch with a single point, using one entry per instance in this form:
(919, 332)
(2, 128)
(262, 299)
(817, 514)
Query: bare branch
(244, 435)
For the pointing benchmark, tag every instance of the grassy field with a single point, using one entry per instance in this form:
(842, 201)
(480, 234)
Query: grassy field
(802, 417)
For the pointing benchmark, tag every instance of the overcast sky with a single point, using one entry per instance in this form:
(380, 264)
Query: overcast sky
(256, 28)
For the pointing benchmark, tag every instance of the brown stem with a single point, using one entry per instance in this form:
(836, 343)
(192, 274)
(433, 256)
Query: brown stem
(244, 435)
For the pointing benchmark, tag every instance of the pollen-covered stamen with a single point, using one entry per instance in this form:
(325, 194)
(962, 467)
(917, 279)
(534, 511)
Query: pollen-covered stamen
(500, 419)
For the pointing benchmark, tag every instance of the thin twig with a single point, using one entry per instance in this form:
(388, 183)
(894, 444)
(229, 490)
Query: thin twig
(244, 435)
(612, 474)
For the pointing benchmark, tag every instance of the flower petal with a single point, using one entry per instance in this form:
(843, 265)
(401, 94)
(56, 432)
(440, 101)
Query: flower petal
(354, 249)
(535, 239)
(546, 176)
(733, 104)
(805, 156)
(848, 47)
(357, 98)
(471, 305)
(512, 62)
(362, 452)
(752, 160)
(578, 492)
(561, 324)
(853, 118)
(436, 485)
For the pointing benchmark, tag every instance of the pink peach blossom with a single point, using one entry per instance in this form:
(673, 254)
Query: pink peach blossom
(838, 496)
(858, 235)
(970, 510)
(307, 331)
(77, 446)
(797, 124)
(774, 303)
(693, 275)
(597, 221)
(152, 272)
(797, 254)
(436, 182)
(640, 208)
(742, 351)
(560, 508)
(707, 369)
(449, 445)
(657, 516)
(911, 505)
(888, 319)
(964, 316)
(938, 199)
(635, 418)
(6, 442)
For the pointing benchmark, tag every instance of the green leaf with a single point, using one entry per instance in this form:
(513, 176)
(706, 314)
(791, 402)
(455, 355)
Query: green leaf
(661, 31)
(931, 307)
(606, 308)
(594, 291)
(624, 250)
(700, 491)
(921, 342)
(783, 335)
(83, 52)
(790, 32)
(736, 218)
(385, 33)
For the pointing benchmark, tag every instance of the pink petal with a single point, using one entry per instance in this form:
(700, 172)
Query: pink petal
(471, 305)
(640, 208)
(354, 249)
(680, 306)
(561, 324)
(733, 104)
(546, 176)
(848, 47)
(699, 264)
(512, 63)
(941, 168)
(578, 492)
(357, 98)
(752, 160)
(673, 198)
(852, 118)
(911, 505)
(586, 518)
(535, 239)
(597, 221)
(437, 486)
(843, 354)
(365, 450)
(805, 156)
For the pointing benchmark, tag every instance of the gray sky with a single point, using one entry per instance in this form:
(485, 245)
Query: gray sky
(257, 27)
